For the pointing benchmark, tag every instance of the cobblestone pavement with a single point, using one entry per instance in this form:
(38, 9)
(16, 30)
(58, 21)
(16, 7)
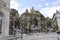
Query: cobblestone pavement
(41, 36)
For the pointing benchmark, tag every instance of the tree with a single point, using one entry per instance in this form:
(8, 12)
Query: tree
(41, 15)
(14, 20)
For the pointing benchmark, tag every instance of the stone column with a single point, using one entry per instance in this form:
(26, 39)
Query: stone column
(27, 25)
(57, 16)
(5, 22)
(5, 9)
(39, 24)
(58, 22)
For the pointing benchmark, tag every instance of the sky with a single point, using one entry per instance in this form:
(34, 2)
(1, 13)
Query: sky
(46, 7)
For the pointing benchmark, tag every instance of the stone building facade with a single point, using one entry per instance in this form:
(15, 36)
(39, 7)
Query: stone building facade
(4, 18)
(56, 21)
(31, 21)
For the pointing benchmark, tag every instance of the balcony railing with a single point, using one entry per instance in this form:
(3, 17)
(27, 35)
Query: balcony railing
(2, 3)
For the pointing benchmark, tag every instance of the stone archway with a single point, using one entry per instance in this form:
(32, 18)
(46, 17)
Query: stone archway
(34, 24)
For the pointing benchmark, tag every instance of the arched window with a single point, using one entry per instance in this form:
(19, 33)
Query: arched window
(1, 17)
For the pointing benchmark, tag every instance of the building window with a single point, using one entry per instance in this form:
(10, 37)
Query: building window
(1, 21)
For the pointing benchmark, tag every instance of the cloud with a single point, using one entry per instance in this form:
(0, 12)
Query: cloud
(42, 0)
(46, 4)
(49, 11)
(14, 4)
(55, 3)
(23, 10)
(39, 5)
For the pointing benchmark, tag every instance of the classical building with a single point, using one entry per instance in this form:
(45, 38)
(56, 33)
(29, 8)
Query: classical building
(4, 18)
(56, 21)
(32, 21)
